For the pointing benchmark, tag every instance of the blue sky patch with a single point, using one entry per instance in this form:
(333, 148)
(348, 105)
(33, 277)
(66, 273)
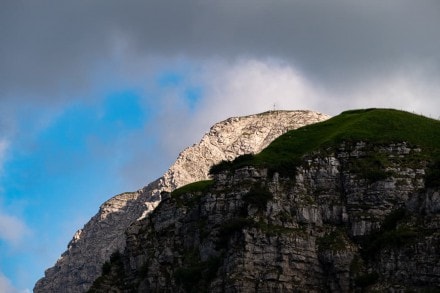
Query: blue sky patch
(170, 79)
(193, 96)
(53, 170)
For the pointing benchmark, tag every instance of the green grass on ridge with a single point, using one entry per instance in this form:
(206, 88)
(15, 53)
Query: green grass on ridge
(379, 126)
(198, 186)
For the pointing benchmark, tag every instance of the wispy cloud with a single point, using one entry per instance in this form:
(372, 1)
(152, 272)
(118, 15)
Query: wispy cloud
(7, 287)
(12, 229)
(255, 85)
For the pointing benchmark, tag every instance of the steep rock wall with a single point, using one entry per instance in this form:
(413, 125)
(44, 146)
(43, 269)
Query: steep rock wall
(339, 223)
(91, 246)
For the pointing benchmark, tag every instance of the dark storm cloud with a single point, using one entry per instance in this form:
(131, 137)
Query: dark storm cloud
(53, 46)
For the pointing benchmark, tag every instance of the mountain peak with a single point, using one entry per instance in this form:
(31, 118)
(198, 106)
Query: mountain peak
(91, 246)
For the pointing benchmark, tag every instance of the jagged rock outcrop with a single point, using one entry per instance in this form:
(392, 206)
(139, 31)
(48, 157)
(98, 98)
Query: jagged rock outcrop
(338, 223)
(104, 234)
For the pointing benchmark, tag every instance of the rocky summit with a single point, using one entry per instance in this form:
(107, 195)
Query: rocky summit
(94, 245)
(351, 204)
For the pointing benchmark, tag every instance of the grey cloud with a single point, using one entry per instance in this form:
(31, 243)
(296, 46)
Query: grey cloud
(53, 45)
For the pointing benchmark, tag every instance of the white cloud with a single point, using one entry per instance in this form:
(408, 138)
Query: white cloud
(251, 86)
(401, 90)
(6, 285)
(12, 229)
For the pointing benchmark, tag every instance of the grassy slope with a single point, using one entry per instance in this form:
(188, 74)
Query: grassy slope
(192, 187)
(380, 126)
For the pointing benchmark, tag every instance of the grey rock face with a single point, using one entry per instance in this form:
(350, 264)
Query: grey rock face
(91, 246)
(331, 226)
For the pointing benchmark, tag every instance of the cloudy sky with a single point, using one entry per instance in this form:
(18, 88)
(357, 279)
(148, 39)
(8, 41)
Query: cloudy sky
(98, 97)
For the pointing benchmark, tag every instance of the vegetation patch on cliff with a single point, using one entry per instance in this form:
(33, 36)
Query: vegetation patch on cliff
(198, 186)
(230, 227)
(190, 194)
(433, 175)
(226, 165)
(195, 275)
(112, 273)
(366, 280)
(371, 166)
(393, 233)
(258, 197)
(333, 241)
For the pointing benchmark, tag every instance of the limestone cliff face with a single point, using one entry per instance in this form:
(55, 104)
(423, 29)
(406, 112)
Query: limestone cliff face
(91, 246)
(332, 225)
